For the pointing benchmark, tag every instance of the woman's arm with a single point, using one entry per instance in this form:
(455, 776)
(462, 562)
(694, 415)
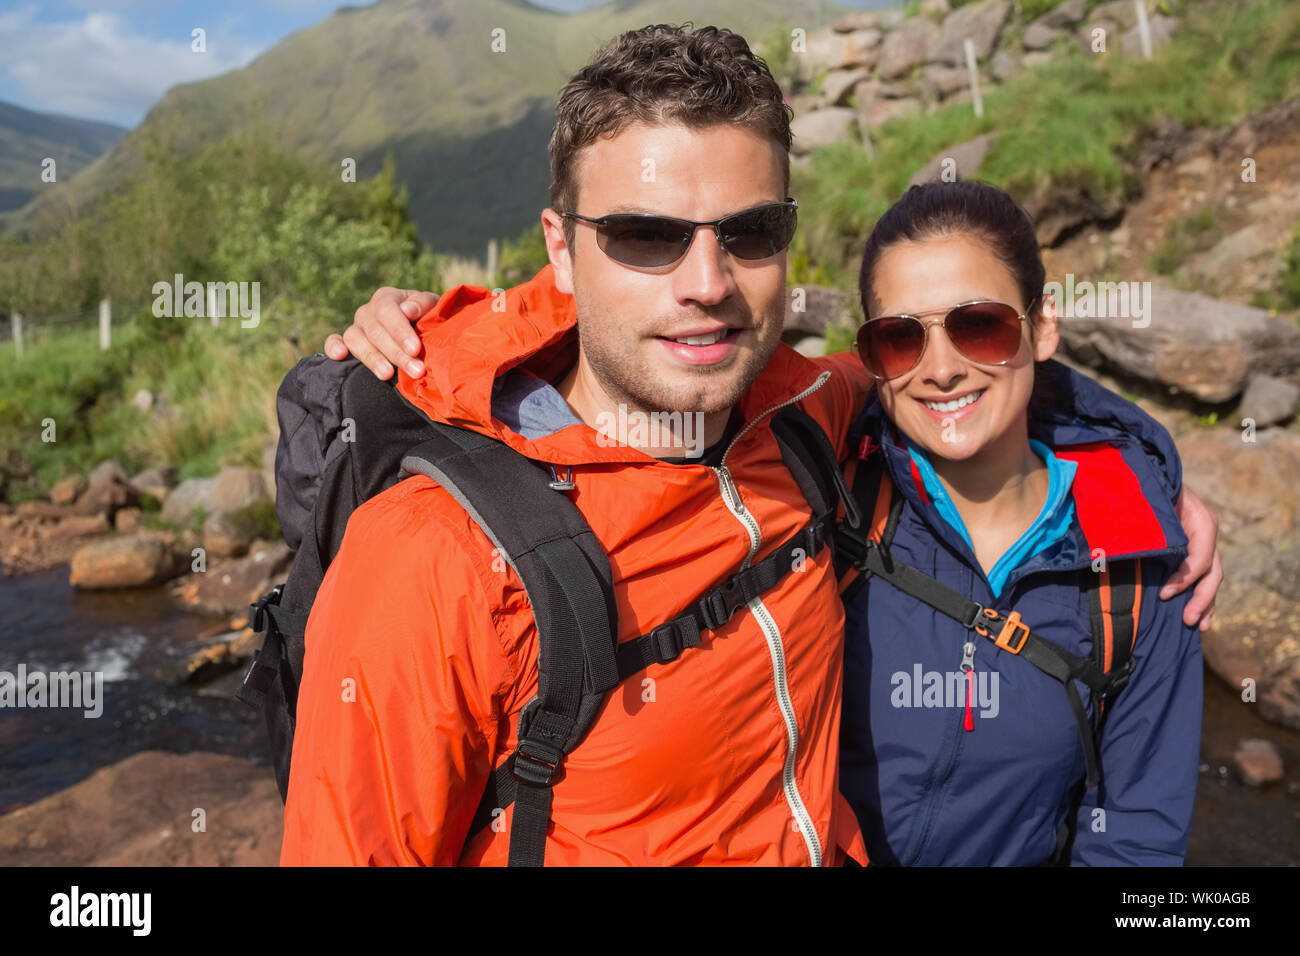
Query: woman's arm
(1150, 745)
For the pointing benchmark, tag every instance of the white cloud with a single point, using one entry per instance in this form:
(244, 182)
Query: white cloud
(97, 67)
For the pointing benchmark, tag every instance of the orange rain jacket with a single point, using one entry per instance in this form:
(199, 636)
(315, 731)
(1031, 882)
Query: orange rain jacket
(421, 649)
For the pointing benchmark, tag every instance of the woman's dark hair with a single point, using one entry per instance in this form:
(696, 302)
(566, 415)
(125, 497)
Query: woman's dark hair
(960, 208)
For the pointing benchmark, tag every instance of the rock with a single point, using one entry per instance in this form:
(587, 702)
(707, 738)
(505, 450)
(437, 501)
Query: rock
(226, 534)
(140, 812)
(157, 482)
(136, 560)
(220, 655)
(839, 85)
(851, 22)
(1269, 400)
(1059, 209)
(821, 128)
(1258, 762)
(819, 308)
(905, 47)
(1004, 66)
(143, 400)
(883, 110)
(41, 510)
(190, 496)
(811, 346)
(1066, 15)
(966, 156)
(230, 588)
(1162, 28)
(940, 82)
(65, 492)
(239, 488)
(107, 471)
(127, 520)
(1037, 58)
(81, 526)
(1121, 12)
(1039, 36)
(1189, 343)
(935, 8)
(105, 497)
(980, 22)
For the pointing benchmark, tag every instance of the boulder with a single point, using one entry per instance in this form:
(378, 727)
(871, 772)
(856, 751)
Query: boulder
(1258, 762)
(1269, 400)
(1121, 12)
(227, 533)
(140, 812)
(239, 488)
(143, 400)
(1162, 29)
(1004, 66)
(813, 130)
(1186, 343)
(838, 86)
(966, 156)
(941, 82)
(230, 588)
(105, 497)
(108, 470)
(65, 492)
(127, 520)
(819, 308)
(905, 47)
(881, 111)
(187, 498)
(136, 560)
(1039, 36)
(157, 482)
(851, 22)
(1066, 15)
(981, 23)
(41, 510)
(82, 526)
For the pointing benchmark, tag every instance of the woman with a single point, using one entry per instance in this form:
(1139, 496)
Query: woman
(957, 749)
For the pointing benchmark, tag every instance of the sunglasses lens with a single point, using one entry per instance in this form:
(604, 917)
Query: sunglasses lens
(891, 345)
(987, 332)
(759, 233)
(644, 241)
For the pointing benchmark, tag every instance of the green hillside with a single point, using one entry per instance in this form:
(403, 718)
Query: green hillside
(27, 138)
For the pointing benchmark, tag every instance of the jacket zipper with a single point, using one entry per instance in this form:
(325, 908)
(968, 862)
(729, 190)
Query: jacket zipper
(772, 634)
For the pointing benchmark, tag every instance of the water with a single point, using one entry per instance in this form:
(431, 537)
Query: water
(129, 635)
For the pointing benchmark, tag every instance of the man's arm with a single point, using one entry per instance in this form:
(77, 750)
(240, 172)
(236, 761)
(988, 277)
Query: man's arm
(403, 680)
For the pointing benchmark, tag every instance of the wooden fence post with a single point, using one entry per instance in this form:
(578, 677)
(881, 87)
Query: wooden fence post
(105, 324)
(16, 320)
(974, 76)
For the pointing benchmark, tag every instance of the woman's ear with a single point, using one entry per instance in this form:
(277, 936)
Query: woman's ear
(1046, 334)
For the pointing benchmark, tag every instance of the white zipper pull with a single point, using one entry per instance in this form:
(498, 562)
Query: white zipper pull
(730, 490)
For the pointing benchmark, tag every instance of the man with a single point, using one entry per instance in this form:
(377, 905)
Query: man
(422, 649)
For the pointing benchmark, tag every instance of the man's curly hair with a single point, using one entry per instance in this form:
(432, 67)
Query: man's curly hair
(664, 74)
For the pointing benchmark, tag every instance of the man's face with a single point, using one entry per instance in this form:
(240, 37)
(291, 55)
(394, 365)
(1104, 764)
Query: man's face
(629, 316)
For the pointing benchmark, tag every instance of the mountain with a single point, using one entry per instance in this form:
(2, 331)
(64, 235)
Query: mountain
(468, 126)
(28, 138)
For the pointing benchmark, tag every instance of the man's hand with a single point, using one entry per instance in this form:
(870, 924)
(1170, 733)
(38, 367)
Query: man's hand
(1202, 528)
(379, 326)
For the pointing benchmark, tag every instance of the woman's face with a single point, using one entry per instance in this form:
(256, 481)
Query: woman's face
(936, 274)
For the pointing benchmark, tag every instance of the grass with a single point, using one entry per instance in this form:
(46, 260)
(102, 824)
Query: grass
(1187, 236)
(1077, 121)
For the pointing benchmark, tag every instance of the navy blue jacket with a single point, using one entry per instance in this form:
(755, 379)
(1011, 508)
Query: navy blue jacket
(928, 792)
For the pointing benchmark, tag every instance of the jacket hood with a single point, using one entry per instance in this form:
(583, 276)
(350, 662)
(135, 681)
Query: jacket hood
(1129, 471)
(488, 355)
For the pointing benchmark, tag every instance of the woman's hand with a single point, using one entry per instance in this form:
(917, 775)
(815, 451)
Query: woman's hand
(1202, 564)
(379, 326)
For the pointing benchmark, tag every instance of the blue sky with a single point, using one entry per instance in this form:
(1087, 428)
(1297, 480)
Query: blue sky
(111, 60)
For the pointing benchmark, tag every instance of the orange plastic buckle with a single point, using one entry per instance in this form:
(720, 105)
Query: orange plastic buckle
(1010, 630)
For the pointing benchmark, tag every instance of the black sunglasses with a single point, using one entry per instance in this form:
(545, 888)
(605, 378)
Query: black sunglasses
(646, 241)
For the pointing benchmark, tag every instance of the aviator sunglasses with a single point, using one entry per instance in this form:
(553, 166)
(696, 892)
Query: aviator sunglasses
(647, 241)
(983, 331)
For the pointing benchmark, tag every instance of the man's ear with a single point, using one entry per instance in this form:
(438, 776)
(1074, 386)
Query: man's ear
(1047, 335)
(557, 249)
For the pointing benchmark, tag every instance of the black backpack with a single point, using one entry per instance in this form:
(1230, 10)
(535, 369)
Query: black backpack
(345, 436)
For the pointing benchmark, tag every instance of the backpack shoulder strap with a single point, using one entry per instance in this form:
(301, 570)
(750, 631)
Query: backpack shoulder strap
(1114, 608)
(567, 578)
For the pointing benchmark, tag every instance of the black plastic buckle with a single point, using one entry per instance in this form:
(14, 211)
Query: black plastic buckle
(666, 639)
(537, 763)
(257, 613)
(1117, 680)
(717, 607)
